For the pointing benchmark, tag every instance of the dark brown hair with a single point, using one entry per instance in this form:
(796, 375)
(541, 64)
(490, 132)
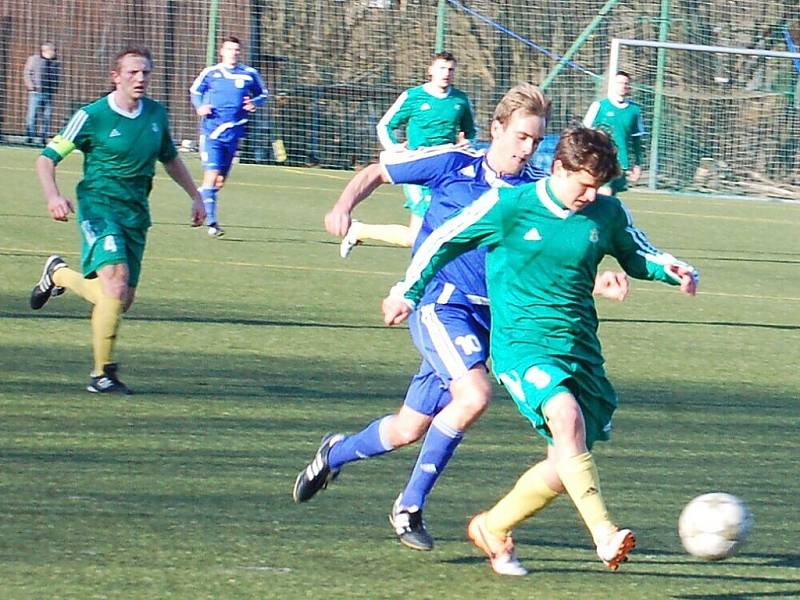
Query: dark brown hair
(590, 150)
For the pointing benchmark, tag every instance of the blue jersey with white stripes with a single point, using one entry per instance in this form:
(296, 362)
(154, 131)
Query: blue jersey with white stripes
(224, 89)
(457, 176)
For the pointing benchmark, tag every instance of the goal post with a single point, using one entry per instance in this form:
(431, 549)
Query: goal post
(719, 126)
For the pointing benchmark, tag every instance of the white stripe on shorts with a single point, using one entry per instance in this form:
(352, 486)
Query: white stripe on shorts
(442, 343)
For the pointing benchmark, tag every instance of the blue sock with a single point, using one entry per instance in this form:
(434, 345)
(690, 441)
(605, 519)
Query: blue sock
(366, 443)
(439, 445)
(209, 195)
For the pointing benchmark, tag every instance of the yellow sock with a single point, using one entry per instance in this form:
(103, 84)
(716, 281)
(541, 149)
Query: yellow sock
(530, 495)
(391, 234)
(580, 478)
(88, 289)
(106, 316)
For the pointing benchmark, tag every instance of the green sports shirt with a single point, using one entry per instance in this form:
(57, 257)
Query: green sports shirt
(429, 119)
(624, 122)
(120, 151)
(540, 269)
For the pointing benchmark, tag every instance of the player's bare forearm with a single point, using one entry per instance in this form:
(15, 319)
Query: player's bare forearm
(58, 206)
(366, 181)
(180, 175)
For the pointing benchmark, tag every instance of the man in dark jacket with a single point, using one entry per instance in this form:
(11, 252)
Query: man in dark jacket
(42, 76)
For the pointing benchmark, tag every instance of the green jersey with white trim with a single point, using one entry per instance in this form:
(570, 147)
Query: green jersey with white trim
(430, 119)
(624, 123)
(540, 268)
(120, 150)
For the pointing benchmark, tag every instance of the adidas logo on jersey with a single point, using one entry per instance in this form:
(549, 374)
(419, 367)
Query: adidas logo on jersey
(114, 133)
(425, 106)
(533, 235)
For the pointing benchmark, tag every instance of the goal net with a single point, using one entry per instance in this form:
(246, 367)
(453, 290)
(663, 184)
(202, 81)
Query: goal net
(720, 120)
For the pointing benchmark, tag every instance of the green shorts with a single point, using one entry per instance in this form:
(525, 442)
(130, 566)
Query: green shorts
(418, 199)
(105, 242)
(543, 380)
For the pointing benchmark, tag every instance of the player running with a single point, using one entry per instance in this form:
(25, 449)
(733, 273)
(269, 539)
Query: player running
(224, 95)
(545, 241)
(121, 136)
(432, 114)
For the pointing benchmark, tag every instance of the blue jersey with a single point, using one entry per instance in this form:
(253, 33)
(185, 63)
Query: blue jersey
(225, 89)
(457, 176)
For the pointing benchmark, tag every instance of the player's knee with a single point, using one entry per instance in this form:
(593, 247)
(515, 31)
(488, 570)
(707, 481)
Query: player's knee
(219, 182)
(404, 433)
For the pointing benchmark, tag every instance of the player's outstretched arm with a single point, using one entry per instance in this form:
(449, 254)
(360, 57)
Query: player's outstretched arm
(180, 175)
(58, 206)
(363, 183)
(613, 285)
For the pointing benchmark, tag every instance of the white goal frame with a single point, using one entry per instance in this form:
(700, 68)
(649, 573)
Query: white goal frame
(613, 65)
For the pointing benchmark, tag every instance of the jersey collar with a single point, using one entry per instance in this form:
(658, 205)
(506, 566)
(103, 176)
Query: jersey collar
(549, 200)
(617, 103)
(432, 91)
(121, 111)
(491, 177)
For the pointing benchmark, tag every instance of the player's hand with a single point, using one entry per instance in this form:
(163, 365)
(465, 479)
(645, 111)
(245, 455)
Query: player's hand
(395, 310)
(688, 276)
(635, 174)
(60, 208)
(337, 222)
(204, 110)
(198, 212)
(612, 285)
(248, 105)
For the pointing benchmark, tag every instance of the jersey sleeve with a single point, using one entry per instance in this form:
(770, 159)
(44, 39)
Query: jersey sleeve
(258, 89)
(397, 116)
(591, 114)
(199, 88)
(637, 256)
(77, 133)
(636, 138)
(468, 123)
(420, 166)
(479, 224)
(167, 152)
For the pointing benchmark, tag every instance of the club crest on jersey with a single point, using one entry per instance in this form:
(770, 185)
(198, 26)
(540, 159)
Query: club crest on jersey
(239, 83)
(594, 235)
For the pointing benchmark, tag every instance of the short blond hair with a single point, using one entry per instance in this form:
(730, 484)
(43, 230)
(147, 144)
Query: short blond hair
(525, 97)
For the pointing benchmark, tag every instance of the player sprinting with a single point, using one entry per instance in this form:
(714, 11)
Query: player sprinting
(432, 114)
(121, 136)
(545, 241)
(223, 95)
(451, 329)
(621, 118)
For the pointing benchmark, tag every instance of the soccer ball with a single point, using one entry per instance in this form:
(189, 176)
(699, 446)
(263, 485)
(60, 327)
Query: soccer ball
(713, 526)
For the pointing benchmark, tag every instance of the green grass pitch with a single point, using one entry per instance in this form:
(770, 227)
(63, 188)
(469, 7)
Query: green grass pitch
(243, 351)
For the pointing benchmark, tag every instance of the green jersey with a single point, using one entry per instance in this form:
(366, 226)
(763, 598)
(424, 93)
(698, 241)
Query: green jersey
(120, 150)
(430, 119)
(540, 269)
(624, 123)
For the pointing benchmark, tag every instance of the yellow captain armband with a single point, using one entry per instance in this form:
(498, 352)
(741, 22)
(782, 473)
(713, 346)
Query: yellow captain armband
(60, 145)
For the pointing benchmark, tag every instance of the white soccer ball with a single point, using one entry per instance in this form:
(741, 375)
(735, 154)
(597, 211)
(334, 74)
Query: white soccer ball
(713, 526)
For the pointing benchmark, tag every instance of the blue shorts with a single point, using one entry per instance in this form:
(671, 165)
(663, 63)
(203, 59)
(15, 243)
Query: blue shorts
(216, 155)
(452, 339)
